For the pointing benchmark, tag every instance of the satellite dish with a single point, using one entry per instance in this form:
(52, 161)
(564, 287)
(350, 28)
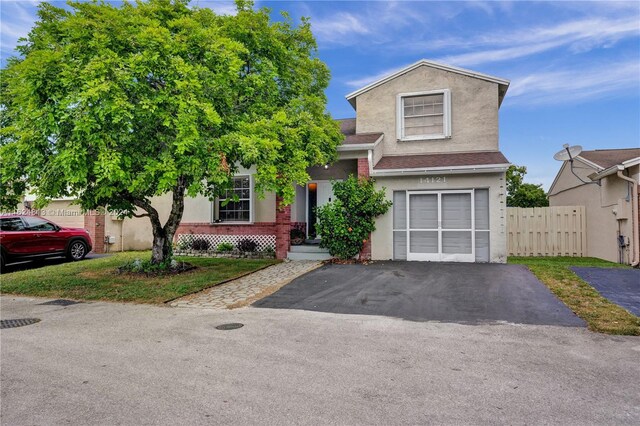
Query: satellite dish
(568, 152)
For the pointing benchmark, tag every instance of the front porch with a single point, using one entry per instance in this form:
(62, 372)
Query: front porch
(275, 234)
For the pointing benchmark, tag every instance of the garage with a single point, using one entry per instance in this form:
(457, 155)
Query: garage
(441, 226)
(446, 208)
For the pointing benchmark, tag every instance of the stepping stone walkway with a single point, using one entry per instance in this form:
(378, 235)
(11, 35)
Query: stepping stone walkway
(246, 290)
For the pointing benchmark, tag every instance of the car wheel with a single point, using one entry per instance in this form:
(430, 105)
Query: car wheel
(77, 250)
(2, 261)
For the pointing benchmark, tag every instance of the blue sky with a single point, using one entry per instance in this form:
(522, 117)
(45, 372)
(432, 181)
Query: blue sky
(574, 66)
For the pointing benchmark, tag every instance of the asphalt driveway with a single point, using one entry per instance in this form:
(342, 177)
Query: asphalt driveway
(621, 286)
(41, 263)
(422, 291)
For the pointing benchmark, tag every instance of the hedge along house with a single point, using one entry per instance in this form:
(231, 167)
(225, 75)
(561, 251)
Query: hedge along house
(429, 135)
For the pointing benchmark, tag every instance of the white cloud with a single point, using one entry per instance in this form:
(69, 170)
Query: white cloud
(363, 81)
(22, 17)
(579, 36)
(576, 84)
(219, 7)
(487, 56)
(372, 24)
(339, 27)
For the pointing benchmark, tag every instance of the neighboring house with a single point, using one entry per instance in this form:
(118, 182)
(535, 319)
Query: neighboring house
(610, 197)
(429, 135)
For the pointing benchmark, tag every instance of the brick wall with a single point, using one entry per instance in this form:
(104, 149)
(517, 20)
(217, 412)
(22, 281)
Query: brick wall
(94, 223)
(363, 171)
(283, 229)
(363, 167)
(299, 225)
(257, 228)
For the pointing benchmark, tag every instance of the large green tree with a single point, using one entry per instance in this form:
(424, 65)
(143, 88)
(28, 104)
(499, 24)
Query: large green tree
(521, 194)
(114, 105)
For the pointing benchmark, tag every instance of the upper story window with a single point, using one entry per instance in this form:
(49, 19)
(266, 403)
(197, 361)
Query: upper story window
(424, 115)
(226, 209)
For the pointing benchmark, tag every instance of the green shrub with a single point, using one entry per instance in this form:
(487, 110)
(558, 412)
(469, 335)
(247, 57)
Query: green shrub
(146, 267)
(345, 224)
(200, 244)
(224, 247)
(247, 245)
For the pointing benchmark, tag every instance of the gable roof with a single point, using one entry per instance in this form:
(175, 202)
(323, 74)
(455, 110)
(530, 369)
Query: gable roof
(605, 158)
(502, 83)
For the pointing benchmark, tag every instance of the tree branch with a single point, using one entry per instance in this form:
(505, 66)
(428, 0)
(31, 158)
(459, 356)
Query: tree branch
(177, 207)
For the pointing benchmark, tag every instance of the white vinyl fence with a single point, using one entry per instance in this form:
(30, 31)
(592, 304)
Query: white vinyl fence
(547, 231)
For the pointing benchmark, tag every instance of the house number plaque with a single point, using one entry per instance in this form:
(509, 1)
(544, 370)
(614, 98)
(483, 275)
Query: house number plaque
(433, 179)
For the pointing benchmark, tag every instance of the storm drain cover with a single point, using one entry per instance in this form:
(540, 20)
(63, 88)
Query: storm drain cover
(60, 302)
(13, 323)
(230, 326)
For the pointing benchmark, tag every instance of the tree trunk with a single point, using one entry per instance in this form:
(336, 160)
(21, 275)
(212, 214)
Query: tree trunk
(162, 249)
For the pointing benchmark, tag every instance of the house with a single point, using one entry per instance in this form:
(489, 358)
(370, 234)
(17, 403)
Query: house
(605, 181)
(428, 134)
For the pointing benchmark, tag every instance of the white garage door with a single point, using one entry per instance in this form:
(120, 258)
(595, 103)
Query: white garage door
(441, 225)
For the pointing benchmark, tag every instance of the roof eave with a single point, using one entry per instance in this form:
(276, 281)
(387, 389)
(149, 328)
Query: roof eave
(614, 169)
(500, 81)
(361, 146)
(478, 168)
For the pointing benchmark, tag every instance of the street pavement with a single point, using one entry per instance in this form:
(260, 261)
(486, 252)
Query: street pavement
(123, 364)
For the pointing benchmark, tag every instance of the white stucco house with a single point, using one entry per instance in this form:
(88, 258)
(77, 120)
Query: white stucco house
(429, 135)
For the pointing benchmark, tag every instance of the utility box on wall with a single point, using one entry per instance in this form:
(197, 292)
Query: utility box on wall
(622, 209)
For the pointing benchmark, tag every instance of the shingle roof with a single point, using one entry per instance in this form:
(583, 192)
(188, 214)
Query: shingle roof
(606, 158)
(347, 126)
(348, 129)
(363, 138)
(454, 159)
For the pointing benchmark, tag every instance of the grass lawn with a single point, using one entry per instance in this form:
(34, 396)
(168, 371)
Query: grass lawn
(97, 279)
(601, 314)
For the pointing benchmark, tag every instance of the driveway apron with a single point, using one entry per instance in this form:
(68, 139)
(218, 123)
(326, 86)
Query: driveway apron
(621, 286)
(423, 291)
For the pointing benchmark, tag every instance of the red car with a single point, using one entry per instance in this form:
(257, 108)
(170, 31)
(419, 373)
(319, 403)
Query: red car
(32, 237)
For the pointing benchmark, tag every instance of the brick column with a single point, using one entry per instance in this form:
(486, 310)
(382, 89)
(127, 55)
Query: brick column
(363, 167)
(283, 229)
(363, 171)
(94, 222)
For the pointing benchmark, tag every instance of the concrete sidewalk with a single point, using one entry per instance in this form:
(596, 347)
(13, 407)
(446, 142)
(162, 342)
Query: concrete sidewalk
(107, 364)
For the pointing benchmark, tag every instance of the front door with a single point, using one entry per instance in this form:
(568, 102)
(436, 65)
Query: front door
(440, 226)
(319, 193)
